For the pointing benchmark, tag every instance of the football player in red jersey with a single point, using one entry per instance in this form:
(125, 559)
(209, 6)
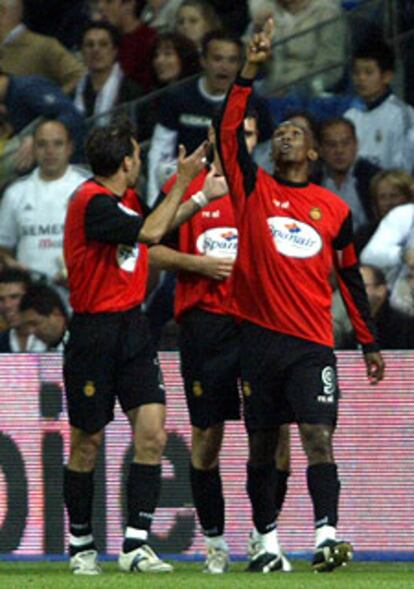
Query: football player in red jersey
(292, 235)
(203, 254)
(109, 354)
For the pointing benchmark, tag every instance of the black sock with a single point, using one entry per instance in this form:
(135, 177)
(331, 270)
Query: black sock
(281, 489)
(324, 486)
(261, 490)
(78, 497)
(208, 500)
(143, 491)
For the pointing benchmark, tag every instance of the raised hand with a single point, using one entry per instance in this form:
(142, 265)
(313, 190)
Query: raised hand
(189, 166)
(215, 185)
(259, 47)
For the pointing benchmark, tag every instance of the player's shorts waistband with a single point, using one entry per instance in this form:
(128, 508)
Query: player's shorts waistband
(107, 316)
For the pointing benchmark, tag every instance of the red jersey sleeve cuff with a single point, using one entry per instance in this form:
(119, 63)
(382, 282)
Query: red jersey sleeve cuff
(372, 347)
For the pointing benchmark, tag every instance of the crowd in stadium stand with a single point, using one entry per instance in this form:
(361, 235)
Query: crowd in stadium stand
(67, 66)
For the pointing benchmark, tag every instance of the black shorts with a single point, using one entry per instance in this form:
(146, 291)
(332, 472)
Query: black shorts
(109, 356)
(286, 379)
(210, 366)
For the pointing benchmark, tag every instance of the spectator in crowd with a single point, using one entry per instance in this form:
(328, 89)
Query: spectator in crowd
(395, 329)
(137, 39)
(43, 314)
(233, 15)
(26, 53)
(24, 99)
(105, 85)
(14, 282)
(175, 58)
(33, 209)
(394, 235)
(388, 189)
(187, 110)
(63, 19)
(382, 120)
(343, 172)
(315, 46)
(160, 14)
(402, 296)
(196, 18)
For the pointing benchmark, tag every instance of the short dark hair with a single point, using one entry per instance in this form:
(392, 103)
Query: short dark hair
(43, 299)
(379, 51)
(337, 121)
(107, 147)
(51, 119)
(9, 275)
(220, 35)
(102, 25)
(304, 114)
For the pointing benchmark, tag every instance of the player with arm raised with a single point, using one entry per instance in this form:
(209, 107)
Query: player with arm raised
(292, 235)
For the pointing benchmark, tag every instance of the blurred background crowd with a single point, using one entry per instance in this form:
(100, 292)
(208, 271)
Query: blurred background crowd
(68, 65)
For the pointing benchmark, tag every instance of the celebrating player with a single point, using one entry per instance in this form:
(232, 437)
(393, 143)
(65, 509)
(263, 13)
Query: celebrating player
(292, 235)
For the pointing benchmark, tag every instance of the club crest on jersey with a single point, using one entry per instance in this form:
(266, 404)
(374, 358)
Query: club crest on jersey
(293, 238)
(127, 257)
(220, 242)
(315, 214)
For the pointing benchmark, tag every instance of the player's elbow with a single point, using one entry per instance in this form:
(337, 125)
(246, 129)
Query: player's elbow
(150, 235)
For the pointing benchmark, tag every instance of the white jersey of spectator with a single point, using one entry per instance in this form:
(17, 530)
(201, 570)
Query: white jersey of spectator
(386, 247)
(32, 216)
(383, 132)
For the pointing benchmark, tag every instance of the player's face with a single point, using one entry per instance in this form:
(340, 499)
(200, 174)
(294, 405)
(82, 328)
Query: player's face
(191, 23)
(221, 64)
(251, 134)
(166, 63)
(338, 147)
(48, 328)
(134, 165)
(387, 197)
(52, 149)
(98, 50)
(110, 10)
(369, 81)
(11, 294)
(376, 293)
(291, 143)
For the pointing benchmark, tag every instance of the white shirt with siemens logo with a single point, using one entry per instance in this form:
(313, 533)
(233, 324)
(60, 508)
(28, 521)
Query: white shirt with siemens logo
(32, 217)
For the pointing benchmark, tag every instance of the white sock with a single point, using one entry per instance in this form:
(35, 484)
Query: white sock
(136, 534)
(270, 542)
(79, 541)
(324, 533)
(216, 542)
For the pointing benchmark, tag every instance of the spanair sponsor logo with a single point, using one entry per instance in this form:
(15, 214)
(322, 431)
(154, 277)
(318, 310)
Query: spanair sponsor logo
(220, 242)
(127, 257)
(293, 238)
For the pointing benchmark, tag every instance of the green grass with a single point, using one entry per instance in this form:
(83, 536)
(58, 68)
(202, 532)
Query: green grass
(358, 575)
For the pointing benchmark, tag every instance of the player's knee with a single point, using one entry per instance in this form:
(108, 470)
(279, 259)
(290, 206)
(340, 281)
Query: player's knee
(84, 453)
(205, 448)
(317, 443)
(151, 445)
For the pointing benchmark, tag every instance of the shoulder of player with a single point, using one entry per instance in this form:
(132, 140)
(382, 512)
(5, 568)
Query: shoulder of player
(328, 197)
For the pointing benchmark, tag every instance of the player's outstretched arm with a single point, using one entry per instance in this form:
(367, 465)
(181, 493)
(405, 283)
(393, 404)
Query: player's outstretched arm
(214, 187)
(166, 258)
(375, 366)
(159, 222)
(258, 50)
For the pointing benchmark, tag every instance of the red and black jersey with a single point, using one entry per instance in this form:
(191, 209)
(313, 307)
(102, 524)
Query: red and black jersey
(107, 267)
(291, 237)
(210, 232)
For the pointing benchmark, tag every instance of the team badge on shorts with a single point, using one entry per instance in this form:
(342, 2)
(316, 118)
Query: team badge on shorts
(89, 389)
(247, 389)
(197, 388)
(328, 377)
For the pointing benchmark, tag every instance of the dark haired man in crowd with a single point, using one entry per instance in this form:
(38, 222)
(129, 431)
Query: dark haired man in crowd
(291, 235)
(42, 313)
(14, 283)
(188, 109)
(109, 354)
